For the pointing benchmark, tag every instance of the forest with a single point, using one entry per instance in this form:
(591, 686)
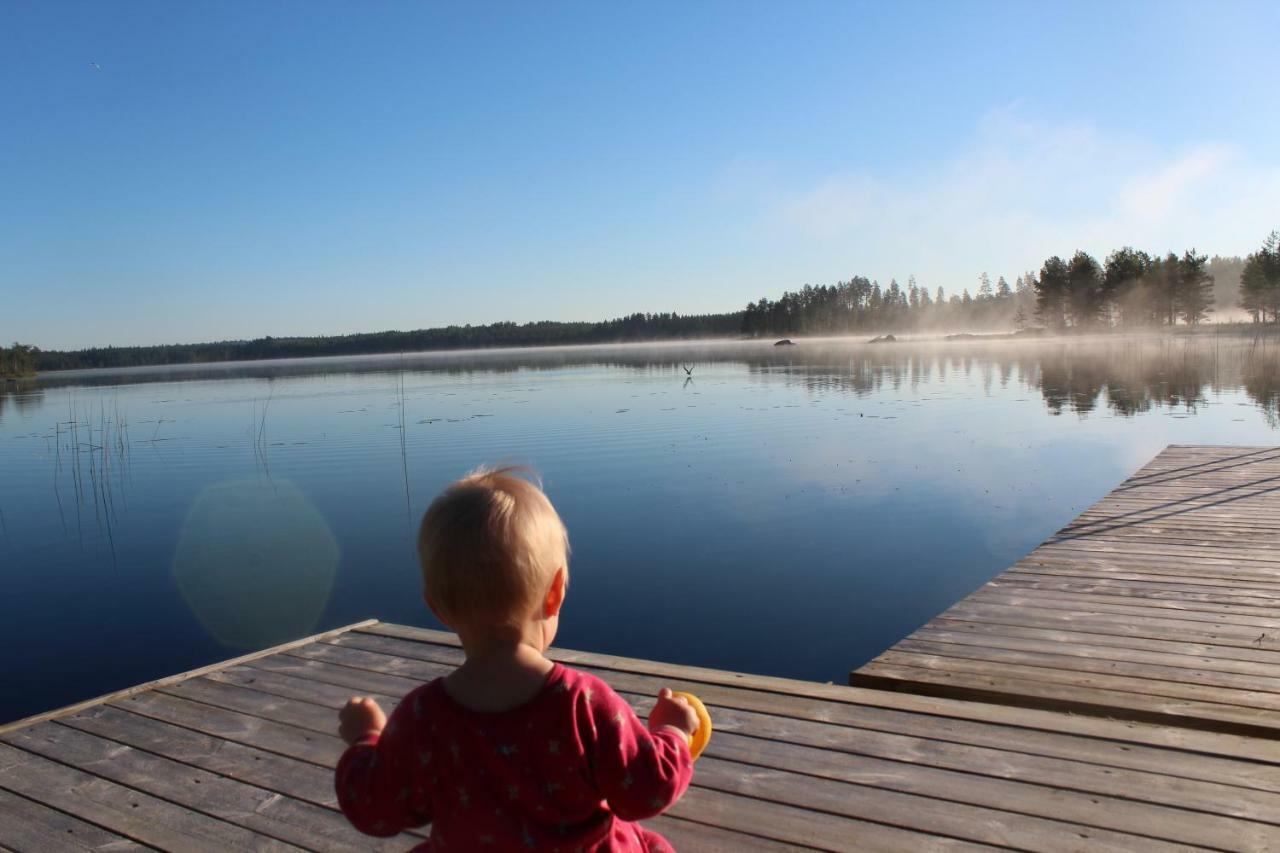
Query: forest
(1260, 282)
(635, 327)
(18, 360)
(1129, 289)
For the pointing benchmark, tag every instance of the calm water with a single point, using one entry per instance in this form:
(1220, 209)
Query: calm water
(789, 511)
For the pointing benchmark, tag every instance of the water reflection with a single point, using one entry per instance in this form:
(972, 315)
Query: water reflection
(20, 393)
(154, 520)
(1126, 375)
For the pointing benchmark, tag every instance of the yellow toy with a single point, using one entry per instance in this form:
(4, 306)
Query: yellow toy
(698, 741)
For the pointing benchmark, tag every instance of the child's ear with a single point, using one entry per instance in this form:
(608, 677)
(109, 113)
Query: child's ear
(435, 611)
(555, 594)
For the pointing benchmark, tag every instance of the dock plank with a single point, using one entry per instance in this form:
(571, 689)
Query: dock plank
(1161, 602)
(762, 746)
(796, 765)
(35, 828)
(133, 814)
(285, 819)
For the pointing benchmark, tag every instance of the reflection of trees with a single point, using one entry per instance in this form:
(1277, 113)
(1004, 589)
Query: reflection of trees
(22, 393)
(1262, 380)
(1128, 376)
(1134, 376)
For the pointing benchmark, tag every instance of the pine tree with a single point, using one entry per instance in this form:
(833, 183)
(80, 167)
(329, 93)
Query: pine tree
(1195, 288)
(1051, 293)
(1124, 284)
(1084, 289)
(984, 286)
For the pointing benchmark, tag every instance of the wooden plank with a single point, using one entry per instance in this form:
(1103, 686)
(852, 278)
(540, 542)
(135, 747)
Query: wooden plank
(1169, 824)
(770, 743)
(833, 702)
(1189, 595)
(788, 824)
(1064, 634)
(285, 819)
(984, 824)
(1200, 682)
(133, 814)
(237, 728)
(174, 679)
(1111, 703)
(276, 709)
(1242, 705)
(884, 734)
(298, 779)
(1099, 623)
(323, 718)
(906, 811)
(1159, 603)
(30, 826)
(288, 776)
(962, 634)
(689, 835)
(1091, 603)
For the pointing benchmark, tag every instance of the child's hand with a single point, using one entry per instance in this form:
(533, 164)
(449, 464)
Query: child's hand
(359, 717)
(673, 711)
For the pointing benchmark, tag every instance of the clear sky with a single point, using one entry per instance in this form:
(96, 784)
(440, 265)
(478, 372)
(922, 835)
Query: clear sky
(186, 171)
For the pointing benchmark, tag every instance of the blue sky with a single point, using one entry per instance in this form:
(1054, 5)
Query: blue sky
(239, 169)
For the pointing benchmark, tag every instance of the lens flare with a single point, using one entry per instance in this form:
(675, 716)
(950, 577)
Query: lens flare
(255, 562)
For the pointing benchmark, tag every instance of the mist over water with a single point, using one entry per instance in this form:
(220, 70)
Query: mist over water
(782, 510)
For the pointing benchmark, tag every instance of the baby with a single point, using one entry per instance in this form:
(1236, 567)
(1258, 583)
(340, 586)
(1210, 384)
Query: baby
(510, 751)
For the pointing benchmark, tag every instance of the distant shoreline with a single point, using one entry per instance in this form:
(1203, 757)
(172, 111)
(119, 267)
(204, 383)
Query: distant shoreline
(902, 338)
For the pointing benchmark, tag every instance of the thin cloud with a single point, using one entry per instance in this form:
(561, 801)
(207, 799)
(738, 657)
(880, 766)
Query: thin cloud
(1018, 191)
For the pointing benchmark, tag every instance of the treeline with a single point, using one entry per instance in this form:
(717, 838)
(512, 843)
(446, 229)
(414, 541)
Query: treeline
(1130, 288)
(1260, 282)
(18, 360)
(862, 305)
(635, 327)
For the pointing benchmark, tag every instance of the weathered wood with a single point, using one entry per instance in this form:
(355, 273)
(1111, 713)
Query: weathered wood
(795, 765)
(133, 814)
(781, 822)
(890, 734)
(30, 826)
(1162, 599)
(282, 818)
(174, 679)
(834, 699)
(763, 747)
(689, 835)
(237, 728)
(907, 811)
(288, 776)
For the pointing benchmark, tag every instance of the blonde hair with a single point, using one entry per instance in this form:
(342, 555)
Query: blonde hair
(489, 546)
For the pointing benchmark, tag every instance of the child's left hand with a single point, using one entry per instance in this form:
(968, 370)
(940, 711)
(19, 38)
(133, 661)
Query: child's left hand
(359, 717)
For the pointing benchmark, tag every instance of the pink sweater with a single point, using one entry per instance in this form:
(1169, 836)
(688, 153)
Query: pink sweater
(569, 770)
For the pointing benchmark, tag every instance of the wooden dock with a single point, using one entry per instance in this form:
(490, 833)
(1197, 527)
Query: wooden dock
(1146, 613)
(1159, 603)
(240, 756)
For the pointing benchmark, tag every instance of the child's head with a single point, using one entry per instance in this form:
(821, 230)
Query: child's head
(491, 548)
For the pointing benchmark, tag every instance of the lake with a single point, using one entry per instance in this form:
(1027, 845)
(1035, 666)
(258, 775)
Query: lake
(781, 510)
